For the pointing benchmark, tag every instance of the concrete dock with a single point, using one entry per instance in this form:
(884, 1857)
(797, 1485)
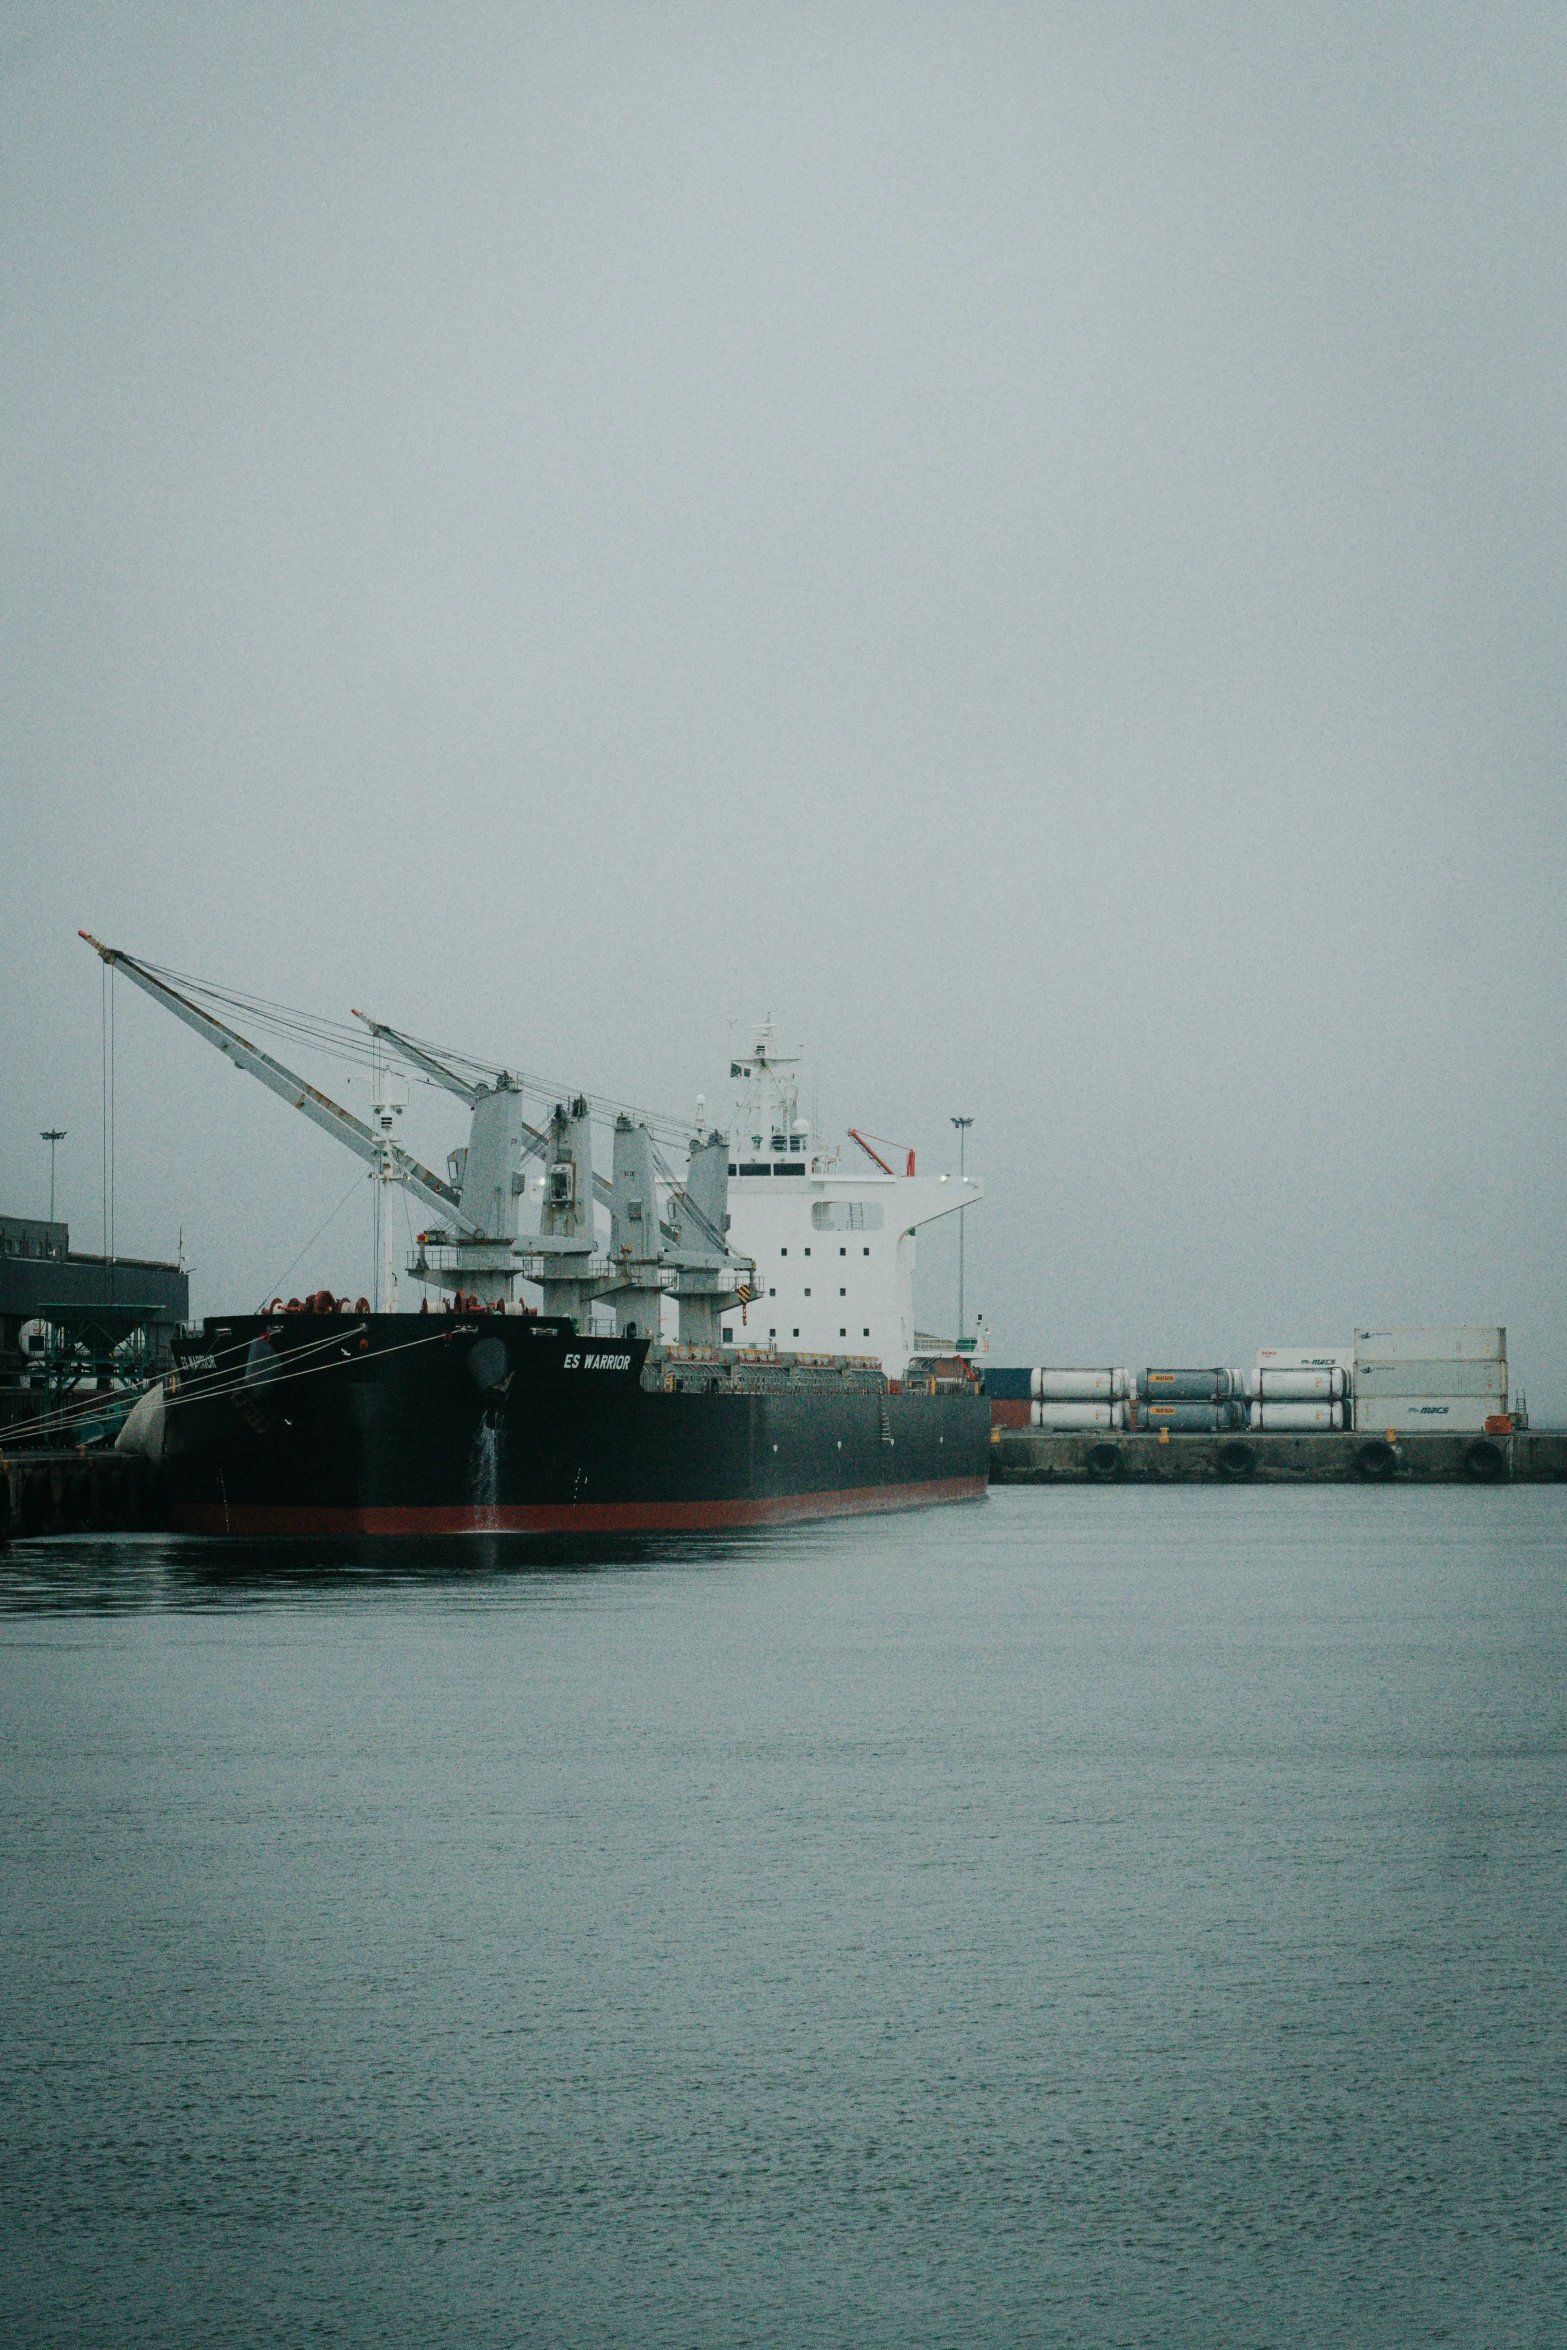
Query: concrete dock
(1025, 1456)
(100, 1492)
(106, 1492)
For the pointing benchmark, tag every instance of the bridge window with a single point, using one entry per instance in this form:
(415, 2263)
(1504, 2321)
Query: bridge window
(847, 1215)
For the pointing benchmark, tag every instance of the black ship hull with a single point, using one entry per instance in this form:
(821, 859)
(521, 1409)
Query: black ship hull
(508, 1424)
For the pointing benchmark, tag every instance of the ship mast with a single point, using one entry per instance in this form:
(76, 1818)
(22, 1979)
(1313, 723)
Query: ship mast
(388, 1104)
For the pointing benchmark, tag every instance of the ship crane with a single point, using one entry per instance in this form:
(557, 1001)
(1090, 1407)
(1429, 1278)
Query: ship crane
(865, 1141)
(419, 1056)
(391, 1162)
(477, 1248)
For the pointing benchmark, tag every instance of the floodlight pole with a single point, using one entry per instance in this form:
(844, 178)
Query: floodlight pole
(51, 1135)
(962, 1125)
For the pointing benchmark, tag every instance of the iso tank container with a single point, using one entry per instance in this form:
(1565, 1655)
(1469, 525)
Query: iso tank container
(1297, 1415)
(1195, 1419)
(1434, 1378)
(1281, 1387)
(1047, 1386)
(1061, 1417)
(1187, 1386)
(1424, 1415)
(1430, 1346)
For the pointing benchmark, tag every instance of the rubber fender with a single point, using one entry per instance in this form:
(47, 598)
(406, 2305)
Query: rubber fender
(1104, 1461)
(1236, 1460)
(1485, 1463)
(1376, 1460)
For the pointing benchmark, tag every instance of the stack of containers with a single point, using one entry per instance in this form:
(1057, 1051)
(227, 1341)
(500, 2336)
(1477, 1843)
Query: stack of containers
(1065, 1400)
(1431, 1382)
(1299, 1388)
(1192, 1403)
(1008, 1392)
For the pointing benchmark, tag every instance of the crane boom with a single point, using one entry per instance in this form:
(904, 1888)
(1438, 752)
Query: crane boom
(329, 1115)
(418, 1058)
(536, 1140)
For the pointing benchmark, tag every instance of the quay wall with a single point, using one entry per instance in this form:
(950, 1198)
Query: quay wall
(1026, 1456)
(103, 1492)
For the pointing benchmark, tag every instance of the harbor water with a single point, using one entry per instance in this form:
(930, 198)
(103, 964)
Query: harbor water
(1127, 1916)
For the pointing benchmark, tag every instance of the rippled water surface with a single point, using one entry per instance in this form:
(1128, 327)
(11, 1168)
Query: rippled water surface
(1102, 1917)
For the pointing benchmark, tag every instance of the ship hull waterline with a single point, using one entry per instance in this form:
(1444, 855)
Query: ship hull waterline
(406, 1425)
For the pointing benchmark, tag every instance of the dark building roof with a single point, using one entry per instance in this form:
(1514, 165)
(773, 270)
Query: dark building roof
(41, 1279)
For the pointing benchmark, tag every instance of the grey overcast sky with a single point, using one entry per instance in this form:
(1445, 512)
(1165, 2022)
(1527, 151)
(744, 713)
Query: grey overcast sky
(1026, 541)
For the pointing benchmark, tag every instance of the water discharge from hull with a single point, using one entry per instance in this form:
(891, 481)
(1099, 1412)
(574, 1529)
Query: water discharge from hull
(484, 1471)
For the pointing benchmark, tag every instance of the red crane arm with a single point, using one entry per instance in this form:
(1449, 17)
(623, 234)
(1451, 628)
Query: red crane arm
(865, 1144)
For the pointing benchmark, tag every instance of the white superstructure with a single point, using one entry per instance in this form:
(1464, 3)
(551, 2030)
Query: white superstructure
(832, 1231)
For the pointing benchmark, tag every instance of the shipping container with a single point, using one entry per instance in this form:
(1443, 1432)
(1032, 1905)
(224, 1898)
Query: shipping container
(1322, 1386)
(1012, 1383)
(1049, 1386)
(1184, 1386)
(1430, 1346)
(1009, 1411)
(1305, 1358)
(1297, 1415)
(1430, 1415)
(1058, 1417)
(1439, 1378)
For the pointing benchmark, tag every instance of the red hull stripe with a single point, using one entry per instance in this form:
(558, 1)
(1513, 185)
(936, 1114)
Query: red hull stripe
(603, 1517)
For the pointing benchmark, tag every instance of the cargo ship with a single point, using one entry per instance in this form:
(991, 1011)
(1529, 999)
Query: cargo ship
(341, 1423)
(586, 1414)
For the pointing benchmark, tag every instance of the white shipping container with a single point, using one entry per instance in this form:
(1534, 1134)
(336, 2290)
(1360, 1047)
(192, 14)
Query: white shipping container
(1434, 1379)
(1063, 1417)
(1324, 1386)
(1297, 1415)
(1305, 1358)
(1423, 1415)
(1047, 1386)
(1430, 1346)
